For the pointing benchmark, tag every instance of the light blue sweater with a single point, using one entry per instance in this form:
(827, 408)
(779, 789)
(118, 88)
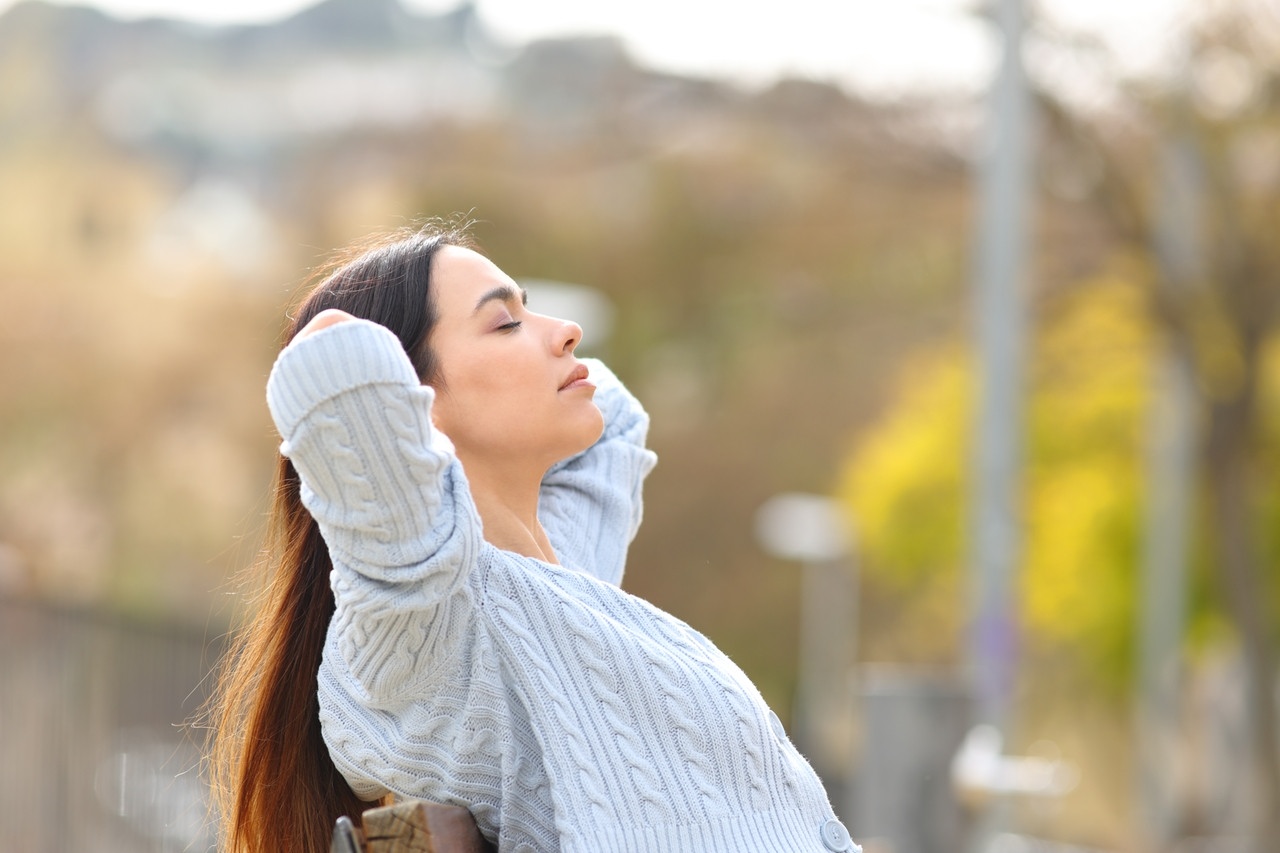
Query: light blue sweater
(565, 713)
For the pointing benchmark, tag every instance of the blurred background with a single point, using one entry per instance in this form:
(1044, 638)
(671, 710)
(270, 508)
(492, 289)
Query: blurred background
(957, 324)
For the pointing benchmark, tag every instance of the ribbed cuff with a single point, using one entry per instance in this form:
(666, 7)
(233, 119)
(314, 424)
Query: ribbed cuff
(330, 362)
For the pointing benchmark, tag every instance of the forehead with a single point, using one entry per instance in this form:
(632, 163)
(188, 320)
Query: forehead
(459, 276)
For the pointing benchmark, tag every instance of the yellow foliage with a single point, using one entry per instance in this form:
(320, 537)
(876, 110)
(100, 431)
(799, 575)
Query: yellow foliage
(1269, 393)
(1088, 402)
(906, 483)
(903, 485)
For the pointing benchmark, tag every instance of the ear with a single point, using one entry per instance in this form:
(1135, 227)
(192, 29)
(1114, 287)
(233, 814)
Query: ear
(440, 408)
(440, 427)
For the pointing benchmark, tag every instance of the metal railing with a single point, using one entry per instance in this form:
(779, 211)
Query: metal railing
(93, 732)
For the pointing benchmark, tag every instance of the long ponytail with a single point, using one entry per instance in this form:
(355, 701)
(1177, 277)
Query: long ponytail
(271, 772)
(274, 788)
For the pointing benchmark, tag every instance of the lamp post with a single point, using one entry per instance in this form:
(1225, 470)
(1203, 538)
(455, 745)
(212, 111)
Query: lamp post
(812, 530)
(1004, 214)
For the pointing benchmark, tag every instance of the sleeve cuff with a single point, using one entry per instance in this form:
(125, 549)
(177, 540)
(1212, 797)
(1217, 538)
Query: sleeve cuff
(330, 362)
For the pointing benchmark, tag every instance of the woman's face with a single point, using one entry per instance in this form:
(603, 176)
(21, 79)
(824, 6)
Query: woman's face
(512, 391)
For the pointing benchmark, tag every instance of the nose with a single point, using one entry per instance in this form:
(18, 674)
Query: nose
(568, 335)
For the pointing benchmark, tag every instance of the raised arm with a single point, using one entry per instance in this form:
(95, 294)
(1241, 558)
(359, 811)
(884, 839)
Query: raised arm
(388, 495)
(591, 504)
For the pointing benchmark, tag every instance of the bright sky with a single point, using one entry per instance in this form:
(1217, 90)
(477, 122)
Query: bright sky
(871, 44)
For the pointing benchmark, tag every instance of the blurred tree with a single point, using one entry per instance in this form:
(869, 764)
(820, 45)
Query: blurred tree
(1228, 111)
(905, 487)
(1090, 386)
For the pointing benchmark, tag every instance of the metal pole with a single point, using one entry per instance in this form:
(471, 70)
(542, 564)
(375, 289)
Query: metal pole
(1171, 467)
(827, 631)
(813, 530)
(1004, 214)
(996, 526)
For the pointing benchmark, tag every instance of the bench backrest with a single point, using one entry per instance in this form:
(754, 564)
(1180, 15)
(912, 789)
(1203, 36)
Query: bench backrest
(411, 826)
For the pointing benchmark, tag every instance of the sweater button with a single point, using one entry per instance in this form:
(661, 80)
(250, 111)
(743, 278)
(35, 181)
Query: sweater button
(835, 837)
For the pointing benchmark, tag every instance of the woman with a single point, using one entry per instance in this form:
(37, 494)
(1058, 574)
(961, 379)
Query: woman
(456, 495)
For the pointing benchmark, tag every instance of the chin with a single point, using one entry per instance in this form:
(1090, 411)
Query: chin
(587, 433)
(598, 424)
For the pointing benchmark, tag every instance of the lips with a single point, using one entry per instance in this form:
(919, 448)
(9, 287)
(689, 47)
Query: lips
(578, 374)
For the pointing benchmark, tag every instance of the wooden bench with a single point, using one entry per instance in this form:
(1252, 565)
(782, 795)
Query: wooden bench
(412, 826)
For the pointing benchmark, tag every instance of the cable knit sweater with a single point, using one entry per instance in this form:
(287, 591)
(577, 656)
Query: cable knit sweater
(565, 713)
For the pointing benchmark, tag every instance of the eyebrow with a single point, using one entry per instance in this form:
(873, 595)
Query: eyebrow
(502, 293)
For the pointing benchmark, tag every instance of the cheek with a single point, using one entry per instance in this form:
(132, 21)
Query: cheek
(488, 372)
(474, 384)
(482, 405)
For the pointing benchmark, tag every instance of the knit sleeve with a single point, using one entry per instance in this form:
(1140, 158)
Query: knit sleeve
(389, 497)
(591, 503)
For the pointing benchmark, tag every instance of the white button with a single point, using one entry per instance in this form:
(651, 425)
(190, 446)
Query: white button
(835, 837)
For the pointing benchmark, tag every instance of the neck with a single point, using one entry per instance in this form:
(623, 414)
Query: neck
(506, 496)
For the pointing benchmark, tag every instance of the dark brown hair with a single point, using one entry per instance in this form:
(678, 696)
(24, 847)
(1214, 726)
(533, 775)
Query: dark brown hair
(274, 787)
